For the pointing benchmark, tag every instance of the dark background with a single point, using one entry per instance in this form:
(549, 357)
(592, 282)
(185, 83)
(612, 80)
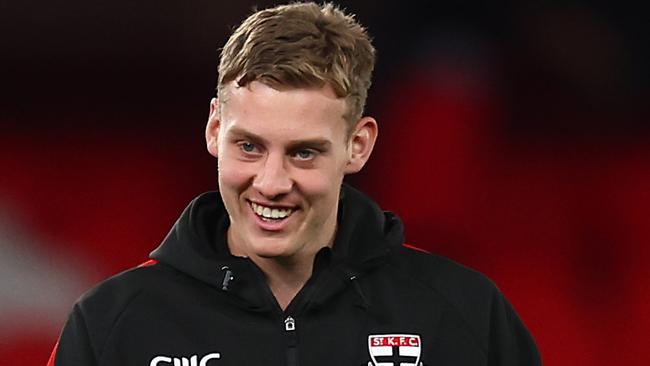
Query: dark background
(513, 139)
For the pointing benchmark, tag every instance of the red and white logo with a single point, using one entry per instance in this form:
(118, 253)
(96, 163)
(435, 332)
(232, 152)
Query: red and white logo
(394, 349)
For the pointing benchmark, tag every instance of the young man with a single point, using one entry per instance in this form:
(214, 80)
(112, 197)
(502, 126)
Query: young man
(285, 265)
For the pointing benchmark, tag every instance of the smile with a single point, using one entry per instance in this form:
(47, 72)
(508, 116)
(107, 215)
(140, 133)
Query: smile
(269, 213)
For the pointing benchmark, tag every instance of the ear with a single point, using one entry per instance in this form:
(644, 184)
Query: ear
(361, 143)
(212, 128)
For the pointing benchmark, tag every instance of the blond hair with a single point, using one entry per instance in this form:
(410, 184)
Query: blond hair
(301, 45)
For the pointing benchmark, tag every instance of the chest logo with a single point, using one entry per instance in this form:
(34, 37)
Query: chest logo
(184, 361)
(394, 349)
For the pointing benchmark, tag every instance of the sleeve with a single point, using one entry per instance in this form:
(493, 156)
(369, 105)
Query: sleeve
(74, 347)
(510, 342)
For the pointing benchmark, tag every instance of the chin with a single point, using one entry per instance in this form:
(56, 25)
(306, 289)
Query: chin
(271, 248)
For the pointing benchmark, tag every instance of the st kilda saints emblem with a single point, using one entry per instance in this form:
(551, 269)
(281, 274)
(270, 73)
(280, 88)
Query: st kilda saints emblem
(394, 350)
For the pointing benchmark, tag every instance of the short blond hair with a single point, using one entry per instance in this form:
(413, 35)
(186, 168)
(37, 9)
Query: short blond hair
(302, 45)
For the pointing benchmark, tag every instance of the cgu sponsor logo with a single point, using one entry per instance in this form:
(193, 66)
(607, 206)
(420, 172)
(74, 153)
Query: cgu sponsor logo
(184, 361)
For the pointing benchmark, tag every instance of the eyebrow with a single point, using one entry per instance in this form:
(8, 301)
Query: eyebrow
(237, 131)
(317, 143)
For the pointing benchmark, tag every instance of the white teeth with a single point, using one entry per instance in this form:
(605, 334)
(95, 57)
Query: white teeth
(271, 213)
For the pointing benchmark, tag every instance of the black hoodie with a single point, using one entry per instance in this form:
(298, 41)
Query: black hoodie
(371, 301)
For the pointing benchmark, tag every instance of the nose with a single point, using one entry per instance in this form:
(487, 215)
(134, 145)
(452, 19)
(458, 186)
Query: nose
(273, 180)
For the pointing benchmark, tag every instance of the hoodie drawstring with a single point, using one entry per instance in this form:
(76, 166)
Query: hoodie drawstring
(359, 291)
(228, 276)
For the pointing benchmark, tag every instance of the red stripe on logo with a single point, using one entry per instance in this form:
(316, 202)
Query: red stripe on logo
(394, 341)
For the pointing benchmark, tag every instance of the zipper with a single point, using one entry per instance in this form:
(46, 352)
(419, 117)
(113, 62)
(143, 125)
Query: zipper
(289, 324)
(292, 341)
(297, 304)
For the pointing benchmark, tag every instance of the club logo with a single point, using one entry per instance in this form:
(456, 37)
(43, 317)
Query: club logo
(394, 349)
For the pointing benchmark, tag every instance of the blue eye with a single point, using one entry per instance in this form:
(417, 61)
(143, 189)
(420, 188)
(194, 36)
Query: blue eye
(305, 154)
(247, 146)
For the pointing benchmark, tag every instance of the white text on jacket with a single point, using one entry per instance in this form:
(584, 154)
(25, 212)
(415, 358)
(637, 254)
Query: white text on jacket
(183, 361)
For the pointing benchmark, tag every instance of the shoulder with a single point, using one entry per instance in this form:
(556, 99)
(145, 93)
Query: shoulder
(102, 305)
(120, 288)
(475, 299)
(471, 294)
(441, 274)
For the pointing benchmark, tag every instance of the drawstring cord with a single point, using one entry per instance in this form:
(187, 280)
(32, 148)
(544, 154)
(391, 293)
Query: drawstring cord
(357, 287)
(365, 304)
(226, 278)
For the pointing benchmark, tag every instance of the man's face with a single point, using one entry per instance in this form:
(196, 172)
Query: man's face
(282, 156)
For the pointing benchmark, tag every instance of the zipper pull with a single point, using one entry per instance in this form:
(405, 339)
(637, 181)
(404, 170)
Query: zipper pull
(289, 324)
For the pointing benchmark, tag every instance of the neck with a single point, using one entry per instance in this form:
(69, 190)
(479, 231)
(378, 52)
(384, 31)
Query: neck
(285, 277)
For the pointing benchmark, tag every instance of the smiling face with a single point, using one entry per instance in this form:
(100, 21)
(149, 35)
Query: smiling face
(282, 155)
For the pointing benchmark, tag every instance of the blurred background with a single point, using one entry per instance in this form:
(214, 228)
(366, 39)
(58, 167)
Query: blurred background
(514, 139)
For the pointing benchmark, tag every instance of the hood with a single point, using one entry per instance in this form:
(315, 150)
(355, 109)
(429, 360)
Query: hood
(197, 246)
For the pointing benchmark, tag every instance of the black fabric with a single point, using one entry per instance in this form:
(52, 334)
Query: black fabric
(201, 306)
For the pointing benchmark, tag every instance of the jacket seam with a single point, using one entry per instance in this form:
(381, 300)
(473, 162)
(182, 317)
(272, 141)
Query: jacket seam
(449, 303)
(82, 316)
(115, 322)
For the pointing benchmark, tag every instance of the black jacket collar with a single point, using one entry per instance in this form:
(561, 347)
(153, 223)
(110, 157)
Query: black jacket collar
(196, 244)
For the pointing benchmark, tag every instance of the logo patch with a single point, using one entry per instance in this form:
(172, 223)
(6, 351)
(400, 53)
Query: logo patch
(394, 349)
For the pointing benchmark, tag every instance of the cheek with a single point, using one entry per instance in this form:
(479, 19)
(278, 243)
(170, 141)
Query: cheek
(233, 173)
(322, 187)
